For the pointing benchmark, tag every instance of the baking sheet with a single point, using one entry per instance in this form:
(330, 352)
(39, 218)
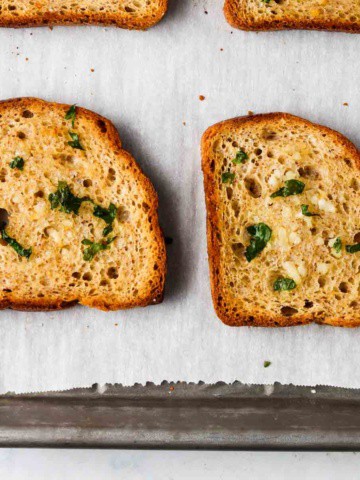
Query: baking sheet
(180, 415)
(149, 84)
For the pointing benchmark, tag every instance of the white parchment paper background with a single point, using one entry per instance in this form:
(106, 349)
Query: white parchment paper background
(148, 84)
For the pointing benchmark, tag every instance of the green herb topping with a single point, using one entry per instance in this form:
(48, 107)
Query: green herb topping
(75, 143)
(260, 235)
(305, 211)
(337, 245)
(283, 284)
(353, 248)
(106, 214)
(70, 203)
(241, 157)
(65, 199)
(19, 249)
(227, 177)
(267, 364)
(93, 248)
(18, 163)
(292, 187)
(71, 115)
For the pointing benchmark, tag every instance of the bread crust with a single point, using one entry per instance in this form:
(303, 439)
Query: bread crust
(235, 14)
(87, 17)
(257, 318)
(152, 297)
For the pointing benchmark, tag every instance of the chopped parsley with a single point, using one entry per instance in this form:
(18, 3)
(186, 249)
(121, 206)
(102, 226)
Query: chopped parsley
(106, 214)
(19, 249)
(240, 157)
(305, 211)
(75, 143)
(70, 203)
(93, 248)
(71, 115)
(353, 248)
(337, 245)
(108, 229)
(292, 187)
(267, 364)
(260, 235)
(17, 162)
(65, 199)
(283, 284)
(227, 177)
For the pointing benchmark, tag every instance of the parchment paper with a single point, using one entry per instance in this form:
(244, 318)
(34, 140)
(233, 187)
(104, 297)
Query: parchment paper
(148, 84)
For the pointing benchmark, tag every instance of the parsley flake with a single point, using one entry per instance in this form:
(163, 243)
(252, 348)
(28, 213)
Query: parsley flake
(17, 162)
(337, 245)
(71, 115)
(240, 157)
(292, 187)
(353, 248)
(227, 177)
(65, 199)
(75, 143)
(19, 249)
(95, 247)
(106, 214)
(260, 235)
(283, 284)
(305, 211)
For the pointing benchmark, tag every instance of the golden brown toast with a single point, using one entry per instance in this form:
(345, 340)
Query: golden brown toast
(131, 14)
(338, 15)
(283, 222)
(82, 224)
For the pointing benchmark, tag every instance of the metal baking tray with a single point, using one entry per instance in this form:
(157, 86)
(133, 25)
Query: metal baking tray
(185, 416)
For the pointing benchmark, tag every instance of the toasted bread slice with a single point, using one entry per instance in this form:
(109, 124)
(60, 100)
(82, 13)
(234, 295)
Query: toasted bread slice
(82, 223)
(131, 14)
(338, 15)
(283, 222)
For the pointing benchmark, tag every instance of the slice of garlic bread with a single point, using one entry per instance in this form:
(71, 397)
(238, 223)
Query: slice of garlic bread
(283, 222)
(131, 14)
(78, 217)
(338, 15)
